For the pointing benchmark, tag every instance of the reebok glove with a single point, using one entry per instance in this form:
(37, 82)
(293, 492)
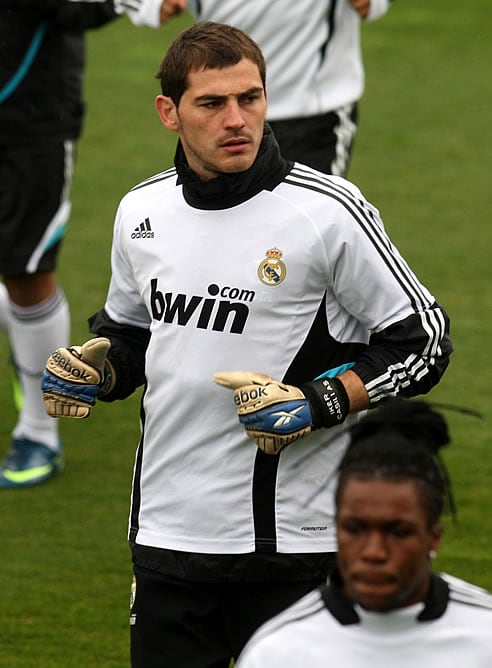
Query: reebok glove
(276, 414)
(73, 378)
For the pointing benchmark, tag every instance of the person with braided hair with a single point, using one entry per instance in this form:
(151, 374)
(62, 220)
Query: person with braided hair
(383, 605)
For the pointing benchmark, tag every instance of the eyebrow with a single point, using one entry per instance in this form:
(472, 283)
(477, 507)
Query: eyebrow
(210, 97)
(388, 521)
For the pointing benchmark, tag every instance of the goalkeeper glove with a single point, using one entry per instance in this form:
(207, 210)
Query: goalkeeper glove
(74, 377)
(275, 414)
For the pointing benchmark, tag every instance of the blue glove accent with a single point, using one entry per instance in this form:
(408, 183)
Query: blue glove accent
(85, 393)
(282, 418)
(331, 373)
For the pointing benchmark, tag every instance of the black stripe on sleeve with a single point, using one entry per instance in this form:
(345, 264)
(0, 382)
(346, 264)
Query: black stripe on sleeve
(372, 226)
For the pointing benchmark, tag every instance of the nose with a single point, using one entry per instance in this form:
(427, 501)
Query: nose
(375, 548)
(233, 116)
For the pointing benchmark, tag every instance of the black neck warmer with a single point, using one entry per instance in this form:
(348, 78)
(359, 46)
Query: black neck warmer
(228, 190)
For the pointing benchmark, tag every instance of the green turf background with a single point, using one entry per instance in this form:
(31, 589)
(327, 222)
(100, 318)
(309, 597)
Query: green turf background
(422, 156)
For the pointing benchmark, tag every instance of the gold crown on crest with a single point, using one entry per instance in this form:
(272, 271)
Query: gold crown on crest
(274, 253)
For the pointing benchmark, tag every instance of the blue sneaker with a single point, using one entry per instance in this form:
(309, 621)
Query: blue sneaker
(29, 463)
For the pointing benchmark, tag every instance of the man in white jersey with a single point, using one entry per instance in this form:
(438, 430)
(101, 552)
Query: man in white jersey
(315, 68)
(383, 605)
(239, 259)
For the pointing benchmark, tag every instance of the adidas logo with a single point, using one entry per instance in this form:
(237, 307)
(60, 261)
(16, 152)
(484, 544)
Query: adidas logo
(143, 231)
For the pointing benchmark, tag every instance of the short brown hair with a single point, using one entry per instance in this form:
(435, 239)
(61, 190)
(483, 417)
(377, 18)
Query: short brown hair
(206, 45)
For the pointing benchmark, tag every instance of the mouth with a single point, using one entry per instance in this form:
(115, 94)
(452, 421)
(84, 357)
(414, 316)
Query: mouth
(371, 580)
(235, 145)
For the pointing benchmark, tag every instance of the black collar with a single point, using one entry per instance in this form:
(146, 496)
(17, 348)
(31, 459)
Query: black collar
(343, 610)
(228, 190)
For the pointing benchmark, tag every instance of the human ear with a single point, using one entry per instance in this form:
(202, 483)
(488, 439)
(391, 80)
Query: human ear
(435, 540)
(167, 112)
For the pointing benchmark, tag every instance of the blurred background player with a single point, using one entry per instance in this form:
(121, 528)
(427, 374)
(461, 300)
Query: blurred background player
(383, 605)
(315, 73)
(41, 115)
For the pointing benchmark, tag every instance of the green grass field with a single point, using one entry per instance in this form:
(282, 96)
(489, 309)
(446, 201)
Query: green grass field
(421, 156)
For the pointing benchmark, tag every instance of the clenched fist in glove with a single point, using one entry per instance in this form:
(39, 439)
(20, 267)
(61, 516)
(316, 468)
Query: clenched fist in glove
(73, 378)
(275, 414)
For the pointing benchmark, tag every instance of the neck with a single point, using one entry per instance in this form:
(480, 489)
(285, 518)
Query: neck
(225, 190)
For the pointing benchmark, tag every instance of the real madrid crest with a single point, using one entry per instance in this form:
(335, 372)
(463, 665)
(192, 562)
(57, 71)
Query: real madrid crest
(272, 270)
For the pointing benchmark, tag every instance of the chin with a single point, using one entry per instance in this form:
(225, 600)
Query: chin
(376, 601)
(237, 166)
(377, 605)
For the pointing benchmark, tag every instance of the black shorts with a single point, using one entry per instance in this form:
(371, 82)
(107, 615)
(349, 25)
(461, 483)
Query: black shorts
(35, 182)
(176, 623)
(323, 142)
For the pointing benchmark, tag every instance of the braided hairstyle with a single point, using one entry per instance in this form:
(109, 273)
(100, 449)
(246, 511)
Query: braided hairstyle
(401, 441)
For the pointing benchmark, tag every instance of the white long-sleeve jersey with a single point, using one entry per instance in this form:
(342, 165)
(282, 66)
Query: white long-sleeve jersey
(291, 281)
(451, 630)
(312, 49)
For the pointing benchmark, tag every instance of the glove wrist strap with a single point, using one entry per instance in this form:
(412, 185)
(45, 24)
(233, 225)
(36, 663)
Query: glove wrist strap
(329, 401)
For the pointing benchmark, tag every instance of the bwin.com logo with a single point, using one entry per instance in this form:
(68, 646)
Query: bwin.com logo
(143, 231)
(224, 310)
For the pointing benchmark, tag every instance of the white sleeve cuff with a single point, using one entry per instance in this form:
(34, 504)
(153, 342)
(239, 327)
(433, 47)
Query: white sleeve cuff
(141, 12)
(377, 8)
